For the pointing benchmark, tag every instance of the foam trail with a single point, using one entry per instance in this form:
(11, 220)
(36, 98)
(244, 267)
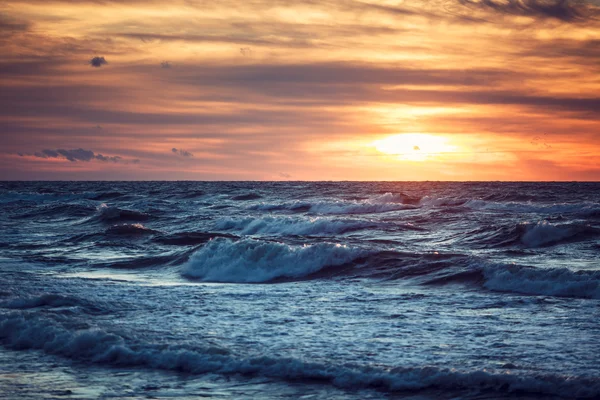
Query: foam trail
(292, 226)
(98, 346)
(223, 260)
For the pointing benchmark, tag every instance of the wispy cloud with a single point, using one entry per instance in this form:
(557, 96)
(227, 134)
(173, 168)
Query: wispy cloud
(75, 155)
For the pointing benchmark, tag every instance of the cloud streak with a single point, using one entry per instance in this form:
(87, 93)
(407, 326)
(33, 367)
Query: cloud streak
(75, 155)
(564, 10)
(181, 152)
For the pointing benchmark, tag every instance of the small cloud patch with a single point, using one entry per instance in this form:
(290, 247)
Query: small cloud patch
(181, 152)
(97, 62)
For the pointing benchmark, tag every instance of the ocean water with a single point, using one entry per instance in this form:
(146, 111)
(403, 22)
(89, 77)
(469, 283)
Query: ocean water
(299, 290)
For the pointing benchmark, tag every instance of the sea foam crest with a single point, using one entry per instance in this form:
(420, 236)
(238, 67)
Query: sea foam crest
(98, 346)
(376, 204)
(246, 261)
(561, 282)
(546, 233)
(292, 226)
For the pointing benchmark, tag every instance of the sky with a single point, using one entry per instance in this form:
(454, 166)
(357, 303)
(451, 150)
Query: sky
(300, 90)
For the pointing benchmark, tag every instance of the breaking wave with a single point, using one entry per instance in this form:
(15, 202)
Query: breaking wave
(190, 238)
(292, 226)
(378, 204)
(253, 261)
(99, 346)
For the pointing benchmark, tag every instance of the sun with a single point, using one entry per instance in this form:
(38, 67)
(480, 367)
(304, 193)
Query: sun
(414, 146)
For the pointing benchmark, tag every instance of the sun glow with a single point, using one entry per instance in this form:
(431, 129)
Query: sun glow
(414, 146)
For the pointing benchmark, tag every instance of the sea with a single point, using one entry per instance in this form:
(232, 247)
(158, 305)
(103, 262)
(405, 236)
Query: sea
(299, 290)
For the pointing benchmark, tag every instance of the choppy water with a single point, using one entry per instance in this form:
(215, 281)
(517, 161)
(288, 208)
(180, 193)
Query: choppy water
(282, 290)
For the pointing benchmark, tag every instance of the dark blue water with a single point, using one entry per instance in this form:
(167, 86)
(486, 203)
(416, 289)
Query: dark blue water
(281, 290)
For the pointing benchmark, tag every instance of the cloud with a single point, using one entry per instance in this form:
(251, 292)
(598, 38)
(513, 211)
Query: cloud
(75, 155)
(114, 159)
(98, 62)
(181, 152)
(563, 10)
(165, 64)
(284, 175)
(11, 25)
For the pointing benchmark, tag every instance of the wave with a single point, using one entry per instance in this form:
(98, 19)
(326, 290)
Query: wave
(245, 197)
(528, 234)
(190, 238)
(52, 300)
(292, 226)
(58, 210)
(112, 214)
(579, 209)
(430, 201)
(560, 282)
(130, 229)
(378, 204)
(102, 347)
(133, 263)
(107, 196)
(545, 233)
(253, 261)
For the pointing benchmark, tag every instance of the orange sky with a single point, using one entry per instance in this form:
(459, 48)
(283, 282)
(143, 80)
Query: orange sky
(300, 90)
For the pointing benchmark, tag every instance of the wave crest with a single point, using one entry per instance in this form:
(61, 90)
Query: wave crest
(253, 261)
(98, 346)
(560, 282)
(292, 226)
(545, 233)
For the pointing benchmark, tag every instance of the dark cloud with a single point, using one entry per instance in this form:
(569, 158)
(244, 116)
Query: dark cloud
(165, 64)
(181, 152)
(337, 73)
(75, 155)
(98, 62)
(114, 159)
(563, 10)
(11, 25)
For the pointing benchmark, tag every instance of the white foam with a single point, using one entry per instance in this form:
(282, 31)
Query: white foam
(376, 204)
(98, 346)
(291, 226)
(545, 233)
(561, 282)
(223, 260)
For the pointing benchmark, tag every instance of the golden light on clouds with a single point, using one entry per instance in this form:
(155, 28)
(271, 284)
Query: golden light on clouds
(320, 90)
(415, 146)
